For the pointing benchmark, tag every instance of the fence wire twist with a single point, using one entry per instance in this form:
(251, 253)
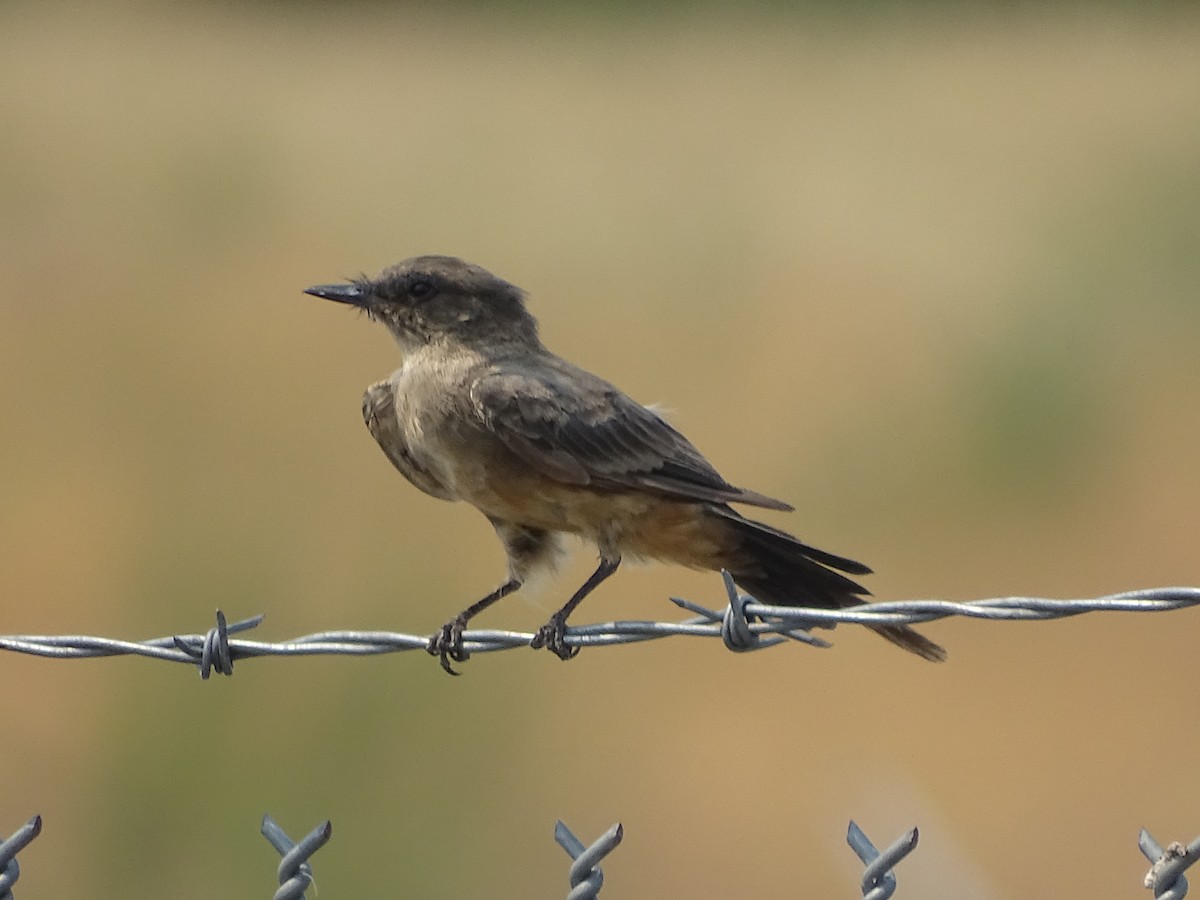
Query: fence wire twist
(294, 872)
(585, 876)
(1165, 877)
(10, 870)
(742, 625)
(878, 881)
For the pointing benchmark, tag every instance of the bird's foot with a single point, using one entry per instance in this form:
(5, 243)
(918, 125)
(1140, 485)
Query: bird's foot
(447, 644)
(552, 636)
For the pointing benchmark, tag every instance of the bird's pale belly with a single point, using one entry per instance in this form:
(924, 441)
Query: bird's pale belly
(626, 523)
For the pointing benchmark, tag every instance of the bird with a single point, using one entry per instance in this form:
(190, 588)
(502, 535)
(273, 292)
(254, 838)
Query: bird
(481, 411)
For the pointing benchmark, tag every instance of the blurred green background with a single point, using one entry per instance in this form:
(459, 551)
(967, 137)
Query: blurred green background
(931, 274)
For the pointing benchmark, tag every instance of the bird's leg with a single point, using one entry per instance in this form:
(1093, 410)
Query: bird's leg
(552, 635)
(447, 643)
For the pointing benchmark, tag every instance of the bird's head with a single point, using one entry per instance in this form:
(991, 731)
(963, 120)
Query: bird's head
(439, 299)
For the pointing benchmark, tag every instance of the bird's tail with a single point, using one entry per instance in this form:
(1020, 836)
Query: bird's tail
(778, 569)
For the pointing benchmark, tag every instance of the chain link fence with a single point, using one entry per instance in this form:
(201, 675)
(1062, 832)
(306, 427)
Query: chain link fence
(585, 878)
(743, 625)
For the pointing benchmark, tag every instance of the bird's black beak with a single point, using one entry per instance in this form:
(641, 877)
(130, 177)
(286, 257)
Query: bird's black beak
(342, 293)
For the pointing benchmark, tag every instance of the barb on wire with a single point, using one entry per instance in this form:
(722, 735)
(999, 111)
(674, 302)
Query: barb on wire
(295, 874)
(10, 870)
(1165, 877)
(743, 625)
(878, 880)
(214, 651)
(585, 875)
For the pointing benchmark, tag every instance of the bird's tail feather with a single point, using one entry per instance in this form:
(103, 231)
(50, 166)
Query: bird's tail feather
(778, 569)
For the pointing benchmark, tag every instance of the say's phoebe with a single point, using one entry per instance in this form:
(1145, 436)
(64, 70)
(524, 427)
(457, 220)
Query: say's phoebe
(481, 411)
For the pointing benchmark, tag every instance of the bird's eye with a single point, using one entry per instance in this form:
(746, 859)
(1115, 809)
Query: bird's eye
(421, 289)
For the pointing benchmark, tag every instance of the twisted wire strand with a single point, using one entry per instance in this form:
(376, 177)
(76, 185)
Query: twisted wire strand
(1165, 877)
(878, 880)
(743, 625)
(10, 869)
(294, 873)
(585, 876)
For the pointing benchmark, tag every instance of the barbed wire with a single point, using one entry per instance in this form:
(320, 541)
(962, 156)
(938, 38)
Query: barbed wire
(743, 625)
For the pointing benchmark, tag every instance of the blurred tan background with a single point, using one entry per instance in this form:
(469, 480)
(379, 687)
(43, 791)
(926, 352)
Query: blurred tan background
(932, 276)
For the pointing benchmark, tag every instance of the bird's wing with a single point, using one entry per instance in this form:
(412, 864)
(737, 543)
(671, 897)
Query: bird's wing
(379, 414)
(579, 429)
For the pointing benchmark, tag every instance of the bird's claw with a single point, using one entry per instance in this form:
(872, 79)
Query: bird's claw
(447, 644)
(552, 636)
